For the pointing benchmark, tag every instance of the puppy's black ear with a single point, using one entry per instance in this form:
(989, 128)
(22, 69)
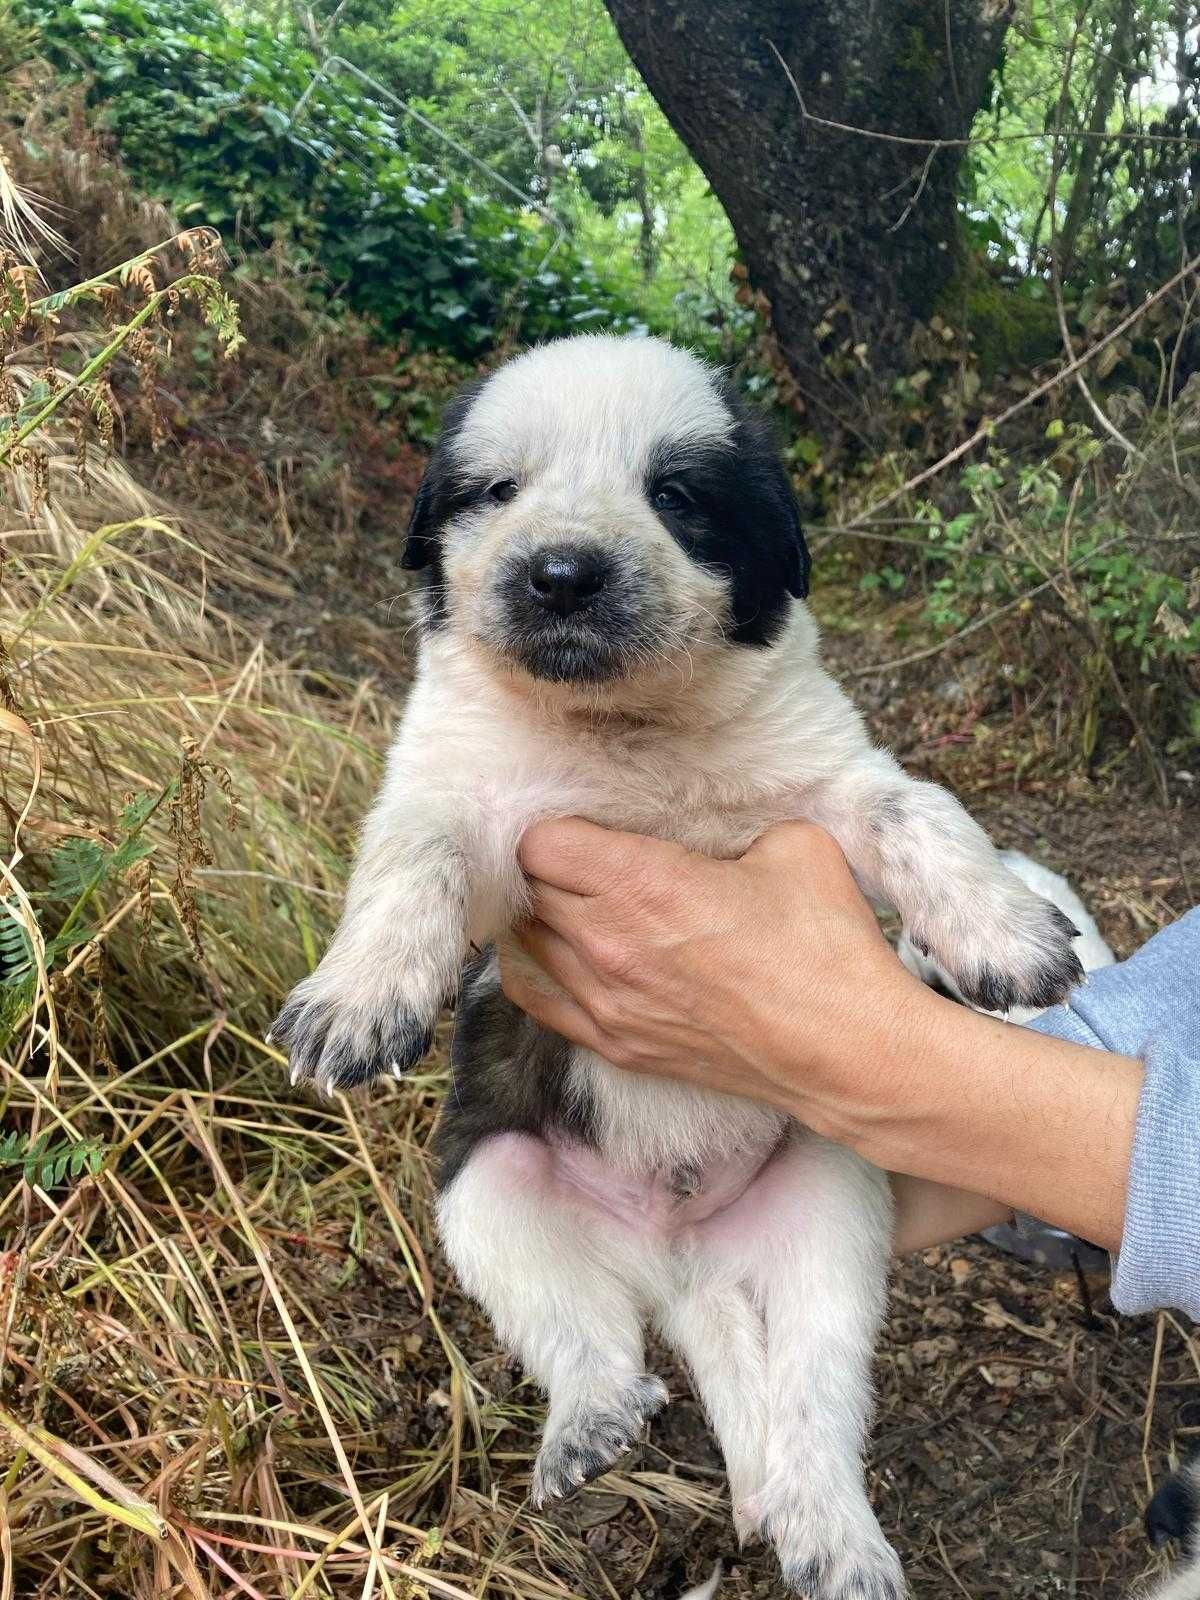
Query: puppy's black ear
(800, 564)
(419, 548)
(435, 498)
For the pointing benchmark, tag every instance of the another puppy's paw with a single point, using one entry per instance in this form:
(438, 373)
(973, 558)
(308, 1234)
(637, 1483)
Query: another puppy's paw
(1009, 948)
(338, 1041)
(825, 1557)
(1174, 1512)
(590, 1440)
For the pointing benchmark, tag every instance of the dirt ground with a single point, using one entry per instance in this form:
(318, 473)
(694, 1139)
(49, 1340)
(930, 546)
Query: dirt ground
(1020, 1422)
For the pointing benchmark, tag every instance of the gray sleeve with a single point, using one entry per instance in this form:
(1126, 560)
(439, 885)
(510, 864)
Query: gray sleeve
(1149, 1006)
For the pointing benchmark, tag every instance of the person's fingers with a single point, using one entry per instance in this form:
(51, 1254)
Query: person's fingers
(558, 909)
(557, 1012)
(796, 841)
(581, 857)
(556, 956)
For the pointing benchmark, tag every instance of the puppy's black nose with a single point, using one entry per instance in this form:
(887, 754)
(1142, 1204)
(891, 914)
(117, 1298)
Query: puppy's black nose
(565, 579)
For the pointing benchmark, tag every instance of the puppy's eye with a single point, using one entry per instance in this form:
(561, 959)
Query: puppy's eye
(502, 491)
(670, 497)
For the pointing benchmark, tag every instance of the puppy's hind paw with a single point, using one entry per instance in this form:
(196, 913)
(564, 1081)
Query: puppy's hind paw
(338, 1047)
(813, 1580)
(870, 1571)
(592, 1440)
(830, 1547)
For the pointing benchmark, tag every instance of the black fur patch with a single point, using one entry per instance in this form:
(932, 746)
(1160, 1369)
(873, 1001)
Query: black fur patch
(439, 497)
(509, 1075)
(1174, 1512)
(740, 517)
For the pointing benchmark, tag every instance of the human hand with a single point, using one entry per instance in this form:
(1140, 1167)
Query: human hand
(766, 977)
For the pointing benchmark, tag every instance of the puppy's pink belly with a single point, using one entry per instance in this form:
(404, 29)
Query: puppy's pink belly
(576, 1176)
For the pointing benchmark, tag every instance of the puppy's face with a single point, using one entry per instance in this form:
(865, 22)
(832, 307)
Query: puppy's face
(600, 511)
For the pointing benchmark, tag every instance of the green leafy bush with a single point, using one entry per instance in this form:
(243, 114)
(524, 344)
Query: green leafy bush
(1101, 569)
(205, 108)
(1108, 563)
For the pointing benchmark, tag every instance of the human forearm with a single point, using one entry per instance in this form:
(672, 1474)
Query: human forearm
(1031, 1123)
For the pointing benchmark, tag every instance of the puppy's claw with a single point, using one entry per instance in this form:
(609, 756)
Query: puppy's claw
(593, 1441)
(339, 1047)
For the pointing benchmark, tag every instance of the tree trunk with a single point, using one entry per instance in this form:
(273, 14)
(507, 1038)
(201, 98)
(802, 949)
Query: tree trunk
(851, 238)
(641, 193)
(1113, 62)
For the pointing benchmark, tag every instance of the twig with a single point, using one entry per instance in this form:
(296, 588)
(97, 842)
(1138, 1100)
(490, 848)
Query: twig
(982, 622)
(990, 424)
(965, 143)
(920, 190)
(1151, 1396)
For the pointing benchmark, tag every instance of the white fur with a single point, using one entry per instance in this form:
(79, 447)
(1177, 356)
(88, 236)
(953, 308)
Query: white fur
(774, 1305)
(1182, 1584)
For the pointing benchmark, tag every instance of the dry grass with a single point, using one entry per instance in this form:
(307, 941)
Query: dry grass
(228, 1364)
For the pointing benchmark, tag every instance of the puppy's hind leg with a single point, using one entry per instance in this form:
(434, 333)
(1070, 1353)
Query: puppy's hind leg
(818, 1232)
(709, 1318)
(561, 1284)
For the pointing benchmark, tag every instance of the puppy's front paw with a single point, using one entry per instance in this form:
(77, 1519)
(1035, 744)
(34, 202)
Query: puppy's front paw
(339, 1041)
(1008, 947)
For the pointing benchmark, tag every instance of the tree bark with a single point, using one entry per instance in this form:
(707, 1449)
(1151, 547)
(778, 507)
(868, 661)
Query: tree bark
(1113, 62)
(851, 238)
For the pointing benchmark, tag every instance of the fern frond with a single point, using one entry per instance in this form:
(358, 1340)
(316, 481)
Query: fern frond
(16, 948)
(47, 1162)
(77, 867)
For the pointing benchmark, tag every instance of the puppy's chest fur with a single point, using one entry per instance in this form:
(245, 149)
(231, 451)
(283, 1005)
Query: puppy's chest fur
(713, 795)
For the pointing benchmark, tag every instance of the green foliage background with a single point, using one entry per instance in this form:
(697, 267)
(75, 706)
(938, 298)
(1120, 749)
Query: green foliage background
(467, 174)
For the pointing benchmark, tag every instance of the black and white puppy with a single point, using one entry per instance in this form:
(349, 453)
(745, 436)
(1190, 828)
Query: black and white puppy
(614, 628)
(1174, 1514)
